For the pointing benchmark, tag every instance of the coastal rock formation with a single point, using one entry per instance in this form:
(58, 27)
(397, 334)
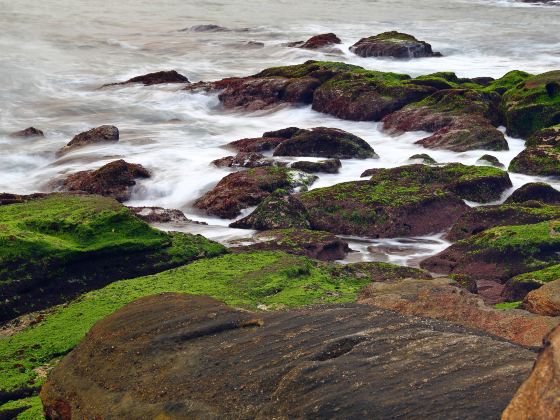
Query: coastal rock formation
(321, 41)
(537, 160)
(329, 166)
(535, 191)
(539, 396)
(156, 78)
(255, 145)
(112, 180)
(101, 134)
(243, 160)
(517, 287)
(161, 215)
(323, 362)
(545, 300)
(248, 188)
(393, 44)
(27, 133)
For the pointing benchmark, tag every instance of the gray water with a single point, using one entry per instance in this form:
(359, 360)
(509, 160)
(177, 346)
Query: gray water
(54, 55)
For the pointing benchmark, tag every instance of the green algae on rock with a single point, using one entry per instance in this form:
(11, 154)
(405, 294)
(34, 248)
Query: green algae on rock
(55, 247)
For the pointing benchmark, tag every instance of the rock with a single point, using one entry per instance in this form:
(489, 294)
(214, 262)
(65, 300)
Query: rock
(478, 219)
(206, 28)
(539, 396)
(248, 188)
(101, 134)
(59, 246)
(327, 143)
(315, 362)
(490, 160)
(393, 44)
(8, 198)
(161, 215)
(519, 286)
(546, 137)
(329, 166)
(312, 243)
(474, 183)
(321, 41)
(395, 202)
(537, 160)
(28, 132)
(379, 271)
(530, 106)
(112, 180)
(461, 120)
(157, 78)
(440, 299)
(535, 191)
(277, 211)
(423, 158)
(255, 145)
(544, 300)
(243, 160)
(501, 253)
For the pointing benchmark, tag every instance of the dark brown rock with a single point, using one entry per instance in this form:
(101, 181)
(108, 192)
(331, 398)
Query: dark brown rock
(243, 160)
(112, 180)
(545, 300)
(329, 166)
(321, 41)
(8, 198)
(393, 44)
(491, 160)
(194, 357)
(541, 160)
(535, 191)
(101, 134)
(28, 132)
(161, 215)
(423, 158)
(255, 145)
(157, 78)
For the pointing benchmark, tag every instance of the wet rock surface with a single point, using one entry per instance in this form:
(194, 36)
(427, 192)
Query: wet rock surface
(490, 160)
(156, 78)
(112, 180)
(101, 134)
(243, 160)
(393, 44)
(28, 133)
(321, 41)
(329, 166)
(317, 362)
(535, 191)
(537, 160)
(161, 215)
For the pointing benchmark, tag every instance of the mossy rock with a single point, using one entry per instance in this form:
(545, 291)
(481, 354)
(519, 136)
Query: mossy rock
(253, 280)
(549, 136)
(393, 44)
(533, 104)
(55, 247)
(519, 286)
(535, 191)
(541, 160)
(423, 158)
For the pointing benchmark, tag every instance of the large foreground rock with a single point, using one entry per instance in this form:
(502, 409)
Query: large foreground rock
(539, 396)
(393, 44)
(180, 356)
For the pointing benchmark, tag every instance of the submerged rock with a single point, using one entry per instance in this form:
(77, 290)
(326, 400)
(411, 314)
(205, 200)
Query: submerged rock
(535, 191)
(244, 160)
(393, 44)
(28, 132)
(423, 158)
(157, 78)
(321, 41)
(112, 180)
(161, 215)
(539, 396)
(248, 188)
(329, 166)
(101, 134)
(314, 362)
(490, 160)
(545, 300)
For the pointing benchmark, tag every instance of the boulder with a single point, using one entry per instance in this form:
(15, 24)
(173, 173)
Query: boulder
(535, 191)
(546, 137)
(112, 180)
(312, 243)
(327, 143)
(490, 160)
(545, 300)
(537, 160)
(539, 396)
(243, 160)
(161, 215)
(423, 158)
(157, 78)
(312, 362)
(441, 299)
(460, 120)
(376, 271)
(393, 44)
(9, 198)
(321, 41)
(329, 166)
(27, 133)
(243, 189)
(255, 145)
(478, 219)
(519, 286)
(277, 211)
(101, 134)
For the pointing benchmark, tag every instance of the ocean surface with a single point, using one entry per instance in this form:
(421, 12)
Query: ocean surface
(55, 54)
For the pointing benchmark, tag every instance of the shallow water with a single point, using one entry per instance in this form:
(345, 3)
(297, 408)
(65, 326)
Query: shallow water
(55, 54)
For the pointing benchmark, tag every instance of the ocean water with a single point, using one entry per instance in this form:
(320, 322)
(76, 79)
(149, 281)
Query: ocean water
(55, 54)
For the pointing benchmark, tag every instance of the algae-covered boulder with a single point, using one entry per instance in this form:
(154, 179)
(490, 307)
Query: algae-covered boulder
(248, 188)
(535, 191)
(501, 253)
(533, 104)
(460, 119)
(481, 218)
(328, 166)
(278, 211)
(55, 247)
(518, 286)
(393, 44)
(549, 136)
(541, 160)
(114, 180)
(243, 160)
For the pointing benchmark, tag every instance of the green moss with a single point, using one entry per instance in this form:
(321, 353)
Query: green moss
(244, 280)
(507, 305)
(27, 409)
(506, 82)
(546, 275)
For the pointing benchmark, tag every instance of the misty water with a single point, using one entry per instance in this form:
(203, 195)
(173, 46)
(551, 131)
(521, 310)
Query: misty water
(54, 56)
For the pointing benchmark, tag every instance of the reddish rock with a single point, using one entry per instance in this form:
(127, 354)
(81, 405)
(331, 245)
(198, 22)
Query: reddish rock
(539, 396)
(535, 191)
(545, 300)
(243, 160)
(255, 145)
(157, 78)
(112, 180)
(393, 44)
(329, 166)
(101, 134)
(441, 300)
(28, 132)
(244, 189)
(321, 41)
